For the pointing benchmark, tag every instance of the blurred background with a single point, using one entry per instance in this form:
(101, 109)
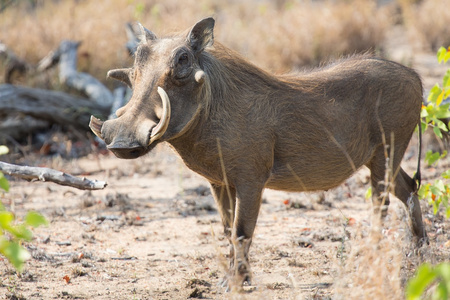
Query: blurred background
(278, 35)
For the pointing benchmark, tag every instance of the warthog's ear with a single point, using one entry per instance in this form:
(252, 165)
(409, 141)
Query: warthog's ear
(121, 75)
(201, 35)
(145, 34)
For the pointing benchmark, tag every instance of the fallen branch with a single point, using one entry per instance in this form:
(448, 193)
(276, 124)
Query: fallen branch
(66, 55)
(51, 106)
(16, 126)
(46, 174)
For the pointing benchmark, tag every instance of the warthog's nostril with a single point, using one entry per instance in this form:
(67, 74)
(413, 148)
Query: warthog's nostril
(128, 153)
(135, 152)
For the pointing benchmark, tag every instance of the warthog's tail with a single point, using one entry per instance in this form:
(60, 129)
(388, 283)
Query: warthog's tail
(417, 175)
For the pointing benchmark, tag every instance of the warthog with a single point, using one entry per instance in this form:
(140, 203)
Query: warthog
(244, 129)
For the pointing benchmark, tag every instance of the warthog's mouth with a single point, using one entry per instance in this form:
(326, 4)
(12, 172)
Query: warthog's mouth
(124, 148)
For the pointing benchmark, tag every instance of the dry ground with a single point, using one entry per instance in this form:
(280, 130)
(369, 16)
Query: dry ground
(154, 233)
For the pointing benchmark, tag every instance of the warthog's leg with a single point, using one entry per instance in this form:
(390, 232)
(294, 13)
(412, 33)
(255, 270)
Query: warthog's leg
(246, 215)
(239, 220)
(404, 188)
(226, 202)
(380, 197)
(406, 191)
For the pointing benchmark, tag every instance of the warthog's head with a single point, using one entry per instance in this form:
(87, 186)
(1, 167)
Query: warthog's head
(167, 82)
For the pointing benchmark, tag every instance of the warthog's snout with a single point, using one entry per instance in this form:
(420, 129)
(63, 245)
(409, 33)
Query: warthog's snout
(127, 152)
(121, 146)
(130, 142)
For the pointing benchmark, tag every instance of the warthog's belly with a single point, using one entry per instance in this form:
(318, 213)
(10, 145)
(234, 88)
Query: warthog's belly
(311, 177)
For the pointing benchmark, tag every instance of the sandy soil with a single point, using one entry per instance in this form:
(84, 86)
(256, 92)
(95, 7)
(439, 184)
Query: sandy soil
(154, 233)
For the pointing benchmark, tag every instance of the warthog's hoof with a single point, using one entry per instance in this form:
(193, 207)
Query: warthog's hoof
(424, 241)
(236, 279)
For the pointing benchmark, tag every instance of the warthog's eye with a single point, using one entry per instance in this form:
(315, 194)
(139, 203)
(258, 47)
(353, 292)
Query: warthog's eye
(183, 59)
(183, 66)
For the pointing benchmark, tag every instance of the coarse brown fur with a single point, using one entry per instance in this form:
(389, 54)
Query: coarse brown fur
(244, 129)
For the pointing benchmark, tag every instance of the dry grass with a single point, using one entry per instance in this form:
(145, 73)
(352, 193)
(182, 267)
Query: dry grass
(279, 35)
(379, 262)
(427, 22)
(307, 33)
(371, 269)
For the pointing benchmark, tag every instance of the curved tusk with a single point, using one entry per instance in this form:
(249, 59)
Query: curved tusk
(161, 128)
(96, 126)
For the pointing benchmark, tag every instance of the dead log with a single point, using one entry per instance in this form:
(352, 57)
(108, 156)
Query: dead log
(18, 126)
(51, 106)
(46, 174)
(66, 55)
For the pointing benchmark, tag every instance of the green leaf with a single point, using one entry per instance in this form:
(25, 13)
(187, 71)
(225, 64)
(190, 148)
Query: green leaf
(447, 91)
(443, 289)
(434, 93)
(437, 132)
(3, 150)
(21, 232)
(35, 219)
(439, 98)
(442, 113)
(443, 270)
(368, 193)
(446, 174)
(447, 56)
(417, 285)
(441, 292)
(16, 254)
(424, 112)
(432, 157)
(423, 191)
(445, 80)
(438, 188)
(424, 126)
(441, 54)
(4, 184)
(5, 219)
(435, 206)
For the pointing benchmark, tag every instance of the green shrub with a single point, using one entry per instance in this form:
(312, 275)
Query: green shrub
(13, 233)
(437, 193)
(427, 275)
(433, 113)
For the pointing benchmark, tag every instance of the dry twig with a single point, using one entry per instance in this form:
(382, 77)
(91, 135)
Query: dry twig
(46, 174)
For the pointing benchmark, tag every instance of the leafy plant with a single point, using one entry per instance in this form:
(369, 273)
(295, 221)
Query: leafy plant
(437, 193)
(433, 114)
(425, 276)
(12, 233)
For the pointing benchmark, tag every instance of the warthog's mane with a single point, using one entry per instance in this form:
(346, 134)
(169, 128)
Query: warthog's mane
(229, 74)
